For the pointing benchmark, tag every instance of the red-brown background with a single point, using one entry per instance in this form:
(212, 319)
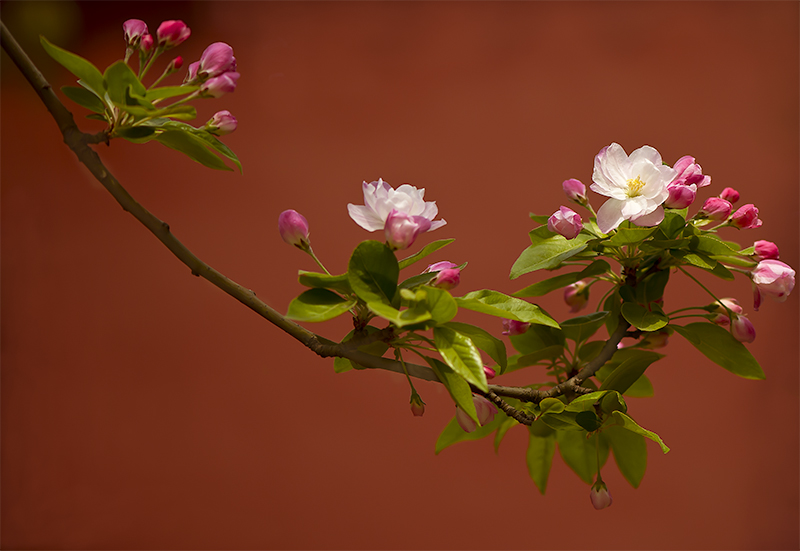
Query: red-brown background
(143, 408)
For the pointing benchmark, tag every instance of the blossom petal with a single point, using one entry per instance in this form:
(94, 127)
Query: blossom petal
(609, 216)
(365, 217)
(652, 219)
(646, 153)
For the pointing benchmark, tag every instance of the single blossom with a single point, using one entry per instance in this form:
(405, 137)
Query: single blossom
(600, 496)
(221, 123)
(417, 405)
(134, 30)
(766, 250)
(680, 196)
(514, 327)
(447, 279)
(220, 85)
(402, 229)
(771, 278)
(171, 33)
(293, 228)
(576, 295)
(380, 199)
(636, 186)
(490, 373)
(730, 195)
(485, 410)
(216, 60)
(743, 330)
(689, 172)
(746, 217)
(574, 190)
(566, 222)
(715, 209)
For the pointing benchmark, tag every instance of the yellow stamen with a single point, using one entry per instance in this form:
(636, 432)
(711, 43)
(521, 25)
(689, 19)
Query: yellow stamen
(635, 187)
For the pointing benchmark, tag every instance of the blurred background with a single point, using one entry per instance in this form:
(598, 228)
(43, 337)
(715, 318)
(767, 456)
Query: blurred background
(142, 408)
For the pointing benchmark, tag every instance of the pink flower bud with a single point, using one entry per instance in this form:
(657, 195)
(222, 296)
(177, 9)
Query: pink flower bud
(402, 229)
(576, 296)
(134, 30)
(514, 327)
(490, 373)
(217, 59)
(680, 196)
(690, 172)
(746, 217)
(600, 496)
(146, 43)
(566, 222)
(722, 314)
(220, 85)
(417, 405)
(743, 329)
(293, 227)
(192, 72)
(771, 278)
(485, 409)
(221, 123)
(439, 266)
(447, 279)
(766, 250)
(177, 63)
(574, 190)
(171, 33)
(730, 195)
(716, 209)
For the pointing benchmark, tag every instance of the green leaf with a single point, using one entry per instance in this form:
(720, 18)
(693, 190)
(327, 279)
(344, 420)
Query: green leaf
(539, 458)
(78, 66)
(627, 423)
(342, 365)
(551, 405)
(635, 362)
(722, 272)
(417, 280)
(711, 245)
(564, 421)
(334, 282)
(137, 134)
(580, 454)
(642, 318)
(630, 453)
(457, 387)
(186, 112)
(497, 304)
(588, 420)
(588, 351)
(483, 340)
(558, 282)
(653, 286)
(527, 360)
(373, 272)
(118, 77)
(628, 234)
(719, 346)
(318, 305)
(453, 433)
(401, 318)
(547, 251)
(84, 98)
(441, 304)
(164, 92)
(426, 250)
(189, 145)
(641, 388)
(536, 338)
(581, 328)
(461, 354)
(673, 223)
(211, 141)
(699, 260)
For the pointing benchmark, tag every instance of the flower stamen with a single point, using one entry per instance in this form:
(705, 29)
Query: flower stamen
(635, 187)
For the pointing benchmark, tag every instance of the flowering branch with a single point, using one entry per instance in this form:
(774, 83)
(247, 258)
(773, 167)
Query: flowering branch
(79, 142)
